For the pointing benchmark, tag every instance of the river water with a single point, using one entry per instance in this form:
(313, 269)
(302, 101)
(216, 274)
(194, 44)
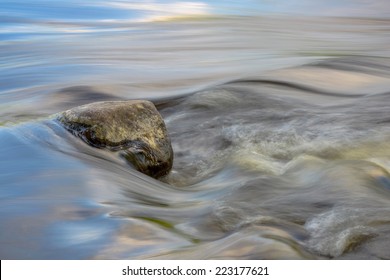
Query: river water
(278, 117)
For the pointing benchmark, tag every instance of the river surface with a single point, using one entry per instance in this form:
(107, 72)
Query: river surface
(278, 116)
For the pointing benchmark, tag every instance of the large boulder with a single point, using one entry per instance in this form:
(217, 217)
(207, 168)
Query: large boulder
(133, 127)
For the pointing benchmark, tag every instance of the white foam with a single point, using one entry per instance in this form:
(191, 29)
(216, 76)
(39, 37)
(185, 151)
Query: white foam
(336, 231)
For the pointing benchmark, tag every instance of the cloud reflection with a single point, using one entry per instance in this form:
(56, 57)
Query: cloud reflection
(151, 10)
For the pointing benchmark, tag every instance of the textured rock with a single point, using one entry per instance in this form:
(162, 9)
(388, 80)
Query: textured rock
(134, 127)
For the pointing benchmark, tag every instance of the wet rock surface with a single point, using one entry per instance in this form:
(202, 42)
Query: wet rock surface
(135, 128)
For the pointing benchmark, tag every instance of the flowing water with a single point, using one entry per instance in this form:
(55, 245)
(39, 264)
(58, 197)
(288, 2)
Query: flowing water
(279, 123)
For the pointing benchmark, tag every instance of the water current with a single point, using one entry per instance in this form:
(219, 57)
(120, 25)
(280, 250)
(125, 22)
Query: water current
(278, 116)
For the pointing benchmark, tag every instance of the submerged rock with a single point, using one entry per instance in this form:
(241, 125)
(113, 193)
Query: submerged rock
(133, 127)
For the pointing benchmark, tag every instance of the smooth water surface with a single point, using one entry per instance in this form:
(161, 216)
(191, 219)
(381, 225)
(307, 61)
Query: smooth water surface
(278, 116)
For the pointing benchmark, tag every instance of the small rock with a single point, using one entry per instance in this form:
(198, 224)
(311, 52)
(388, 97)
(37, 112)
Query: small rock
(133, 127)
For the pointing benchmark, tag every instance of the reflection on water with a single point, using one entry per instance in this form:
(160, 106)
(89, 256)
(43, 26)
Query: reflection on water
(279, 126)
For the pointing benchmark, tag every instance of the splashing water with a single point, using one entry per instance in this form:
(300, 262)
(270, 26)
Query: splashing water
(279, 124)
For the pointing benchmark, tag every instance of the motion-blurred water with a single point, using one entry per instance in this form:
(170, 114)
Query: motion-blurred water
(278, 115)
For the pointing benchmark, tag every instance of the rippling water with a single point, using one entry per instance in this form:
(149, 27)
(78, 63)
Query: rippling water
(279, 123)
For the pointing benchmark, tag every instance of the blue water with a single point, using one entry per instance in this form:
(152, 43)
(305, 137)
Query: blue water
(277, 113)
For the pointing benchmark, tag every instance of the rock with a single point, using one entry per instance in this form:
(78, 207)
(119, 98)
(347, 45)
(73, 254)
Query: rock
(133, 127)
